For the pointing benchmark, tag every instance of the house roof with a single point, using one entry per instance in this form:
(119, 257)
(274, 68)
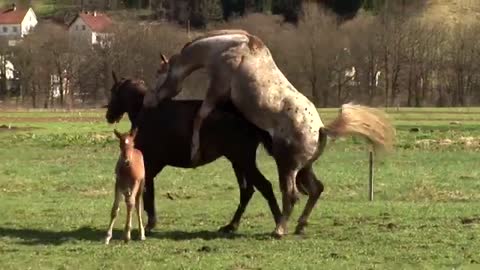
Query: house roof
(98, 22)
(12, 16)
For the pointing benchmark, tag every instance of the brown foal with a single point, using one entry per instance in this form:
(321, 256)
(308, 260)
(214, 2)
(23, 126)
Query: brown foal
(130, 177)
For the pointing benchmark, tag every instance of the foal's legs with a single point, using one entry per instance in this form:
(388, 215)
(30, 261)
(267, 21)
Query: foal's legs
(149, 194)
(130, 201)
(308, 181)
(138, 206)
(246, 193)
(113, 214)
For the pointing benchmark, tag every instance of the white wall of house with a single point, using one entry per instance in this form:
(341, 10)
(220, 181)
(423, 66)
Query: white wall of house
(101, 38)
(8, 68)
(80, 32)
(13, 30)
(29, 22)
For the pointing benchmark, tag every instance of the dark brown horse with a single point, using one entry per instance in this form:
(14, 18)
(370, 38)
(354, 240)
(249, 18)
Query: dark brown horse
(164, 137)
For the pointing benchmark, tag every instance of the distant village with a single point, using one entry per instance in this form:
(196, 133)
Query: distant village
(87, 28)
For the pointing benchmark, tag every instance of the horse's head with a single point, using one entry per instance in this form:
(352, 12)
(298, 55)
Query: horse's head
(126, 96)
(168, 81)
(116, 106)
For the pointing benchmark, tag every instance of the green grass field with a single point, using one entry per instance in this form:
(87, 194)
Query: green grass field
(56, 190)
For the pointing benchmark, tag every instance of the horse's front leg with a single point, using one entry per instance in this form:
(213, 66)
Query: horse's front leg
(217, 91)
(152, 169)
(205, 110)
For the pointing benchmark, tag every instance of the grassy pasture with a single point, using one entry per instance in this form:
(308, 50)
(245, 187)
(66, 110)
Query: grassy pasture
(56, 183)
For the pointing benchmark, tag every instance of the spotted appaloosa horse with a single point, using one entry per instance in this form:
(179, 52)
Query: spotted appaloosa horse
(242, 69)
(164, 136)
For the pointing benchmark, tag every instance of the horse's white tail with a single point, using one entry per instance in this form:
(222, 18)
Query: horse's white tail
(367, 122)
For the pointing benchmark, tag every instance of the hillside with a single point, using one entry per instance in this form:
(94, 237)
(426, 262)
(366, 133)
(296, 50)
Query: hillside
(452, 11)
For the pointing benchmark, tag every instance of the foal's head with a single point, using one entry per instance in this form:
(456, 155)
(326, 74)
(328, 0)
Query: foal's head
(126, 143)
(125, 95)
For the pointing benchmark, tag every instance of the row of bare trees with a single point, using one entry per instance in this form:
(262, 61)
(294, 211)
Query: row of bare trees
(54, 70)
(378, 60)
(389, 61)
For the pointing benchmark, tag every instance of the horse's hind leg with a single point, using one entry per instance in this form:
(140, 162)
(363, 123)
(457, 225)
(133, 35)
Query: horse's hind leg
(289, 197)
(307, 181)
(246, 193)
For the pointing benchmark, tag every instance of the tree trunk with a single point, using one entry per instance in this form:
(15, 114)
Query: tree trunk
(387, 75)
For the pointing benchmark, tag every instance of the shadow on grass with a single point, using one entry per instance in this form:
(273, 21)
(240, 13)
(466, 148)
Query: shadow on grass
(204, 235)
(47, 237)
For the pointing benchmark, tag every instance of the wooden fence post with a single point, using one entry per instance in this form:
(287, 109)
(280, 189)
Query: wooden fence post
(370, 176)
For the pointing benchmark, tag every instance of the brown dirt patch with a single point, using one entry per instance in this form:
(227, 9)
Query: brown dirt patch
(470, 220)
(467, 142)
(51, 119)
(6, 128)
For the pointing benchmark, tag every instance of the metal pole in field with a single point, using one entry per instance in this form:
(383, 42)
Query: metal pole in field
(370, 177)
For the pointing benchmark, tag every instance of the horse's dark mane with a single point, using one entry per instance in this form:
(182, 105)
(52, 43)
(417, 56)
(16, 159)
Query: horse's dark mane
(138, 85)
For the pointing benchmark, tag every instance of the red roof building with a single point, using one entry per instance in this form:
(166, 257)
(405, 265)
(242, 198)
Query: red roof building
(12, 15)
(17, 22)
(93, 27)
(97, 22)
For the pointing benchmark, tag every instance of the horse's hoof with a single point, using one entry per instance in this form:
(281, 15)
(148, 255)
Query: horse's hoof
(279, 232)
(300, 229)
(195, 160)
(150, 226)
(277, 235)
(227, 229)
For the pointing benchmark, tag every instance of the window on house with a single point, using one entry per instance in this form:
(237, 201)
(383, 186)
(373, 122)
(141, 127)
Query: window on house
(76, 27)
(5, 29)
(14, 29)
(84, 28)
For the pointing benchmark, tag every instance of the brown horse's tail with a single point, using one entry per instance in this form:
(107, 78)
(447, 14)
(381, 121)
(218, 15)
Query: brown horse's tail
(364, 121)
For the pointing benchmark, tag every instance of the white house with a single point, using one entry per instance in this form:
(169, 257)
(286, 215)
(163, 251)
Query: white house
(56, 85)
(90, 28)
(15, 23)
(7, 71)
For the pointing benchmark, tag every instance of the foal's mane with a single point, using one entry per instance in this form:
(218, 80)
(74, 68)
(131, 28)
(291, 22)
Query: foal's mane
(253, 41)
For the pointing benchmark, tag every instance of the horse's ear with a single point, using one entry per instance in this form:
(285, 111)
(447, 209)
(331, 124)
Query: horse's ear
(164, 59)
(133, 132)
(114, 76)
(117, 134)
